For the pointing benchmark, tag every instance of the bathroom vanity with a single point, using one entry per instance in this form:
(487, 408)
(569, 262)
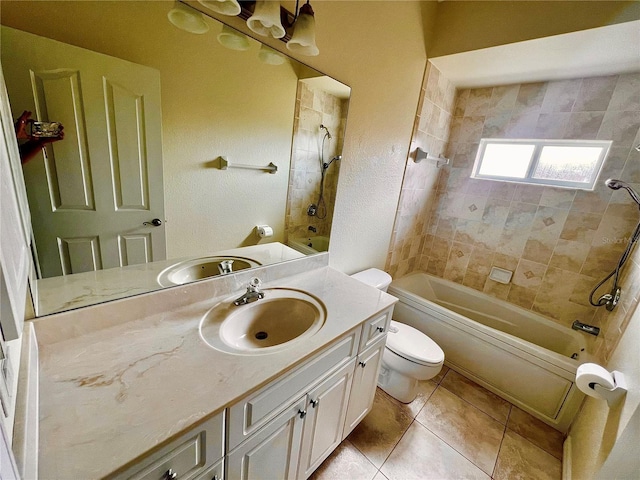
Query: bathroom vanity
(129, 389)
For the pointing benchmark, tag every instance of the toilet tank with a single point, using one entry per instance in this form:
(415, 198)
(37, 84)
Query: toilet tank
(374, 277)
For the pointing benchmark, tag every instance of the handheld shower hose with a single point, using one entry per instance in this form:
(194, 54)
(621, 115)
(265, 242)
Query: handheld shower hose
(610, 300)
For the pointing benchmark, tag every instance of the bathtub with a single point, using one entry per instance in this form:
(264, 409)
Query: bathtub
(310, 245)
(523, 357)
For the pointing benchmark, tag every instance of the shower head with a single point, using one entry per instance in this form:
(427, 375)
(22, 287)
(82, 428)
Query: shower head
(322, 127)
(326, 165)
(618, 184)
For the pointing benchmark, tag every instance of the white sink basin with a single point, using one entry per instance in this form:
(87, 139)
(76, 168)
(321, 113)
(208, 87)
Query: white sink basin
(196, 269)
(282, 317)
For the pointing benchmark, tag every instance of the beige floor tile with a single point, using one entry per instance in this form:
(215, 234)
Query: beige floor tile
(478, 396)
(345, 462)
(536, 431)
(425, 389)
(519, 459)
(470, 431)
(381, 429)
(438, 378)
(421, 455)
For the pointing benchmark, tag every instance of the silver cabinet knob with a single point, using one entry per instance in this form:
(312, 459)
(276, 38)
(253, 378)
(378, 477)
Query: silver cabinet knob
(314, 403)
(380, 329)
(170, 475)
(362, 364)
(302, 413)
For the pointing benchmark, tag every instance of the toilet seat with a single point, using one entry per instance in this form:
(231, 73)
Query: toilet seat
(413, 345)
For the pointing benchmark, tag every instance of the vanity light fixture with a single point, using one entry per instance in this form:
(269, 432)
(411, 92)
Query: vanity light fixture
(224, 7)
(265, 20)
(303, 40)
(270, 56)
(187, 19)
(233, 39)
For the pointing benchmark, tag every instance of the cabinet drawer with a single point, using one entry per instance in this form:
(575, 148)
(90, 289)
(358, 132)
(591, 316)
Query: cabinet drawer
(188, 456)
(374, 328)
(253, 412)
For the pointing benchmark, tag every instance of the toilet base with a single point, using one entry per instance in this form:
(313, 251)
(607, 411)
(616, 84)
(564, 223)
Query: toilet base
(400, 387)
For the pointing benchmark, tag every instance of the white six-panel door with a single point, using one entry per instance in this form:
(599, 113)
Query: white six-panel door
(90, 193)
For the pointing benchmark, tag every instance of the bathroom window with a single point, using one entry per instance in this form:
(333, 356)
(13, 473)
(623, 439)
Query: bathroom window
(560, 163)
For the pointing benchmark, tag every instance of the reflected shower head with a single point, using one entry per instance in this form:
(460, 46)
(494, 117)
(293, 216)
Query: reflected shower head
(618, 184)
(322, 127)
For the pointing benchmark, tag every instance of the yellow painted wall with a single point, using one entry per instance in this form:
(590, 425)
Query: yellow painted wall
(377, 48)
(471, 25)
(213, 104)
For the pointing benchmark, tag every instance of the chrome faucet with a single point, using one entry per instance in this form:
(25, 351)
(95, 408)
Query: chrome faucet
(578, 325)
(225, 267)
(252, 294)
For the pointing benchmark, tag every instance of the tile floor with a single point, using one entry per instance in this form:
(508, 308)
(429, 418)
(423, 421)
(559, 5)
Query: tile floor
(454, 429)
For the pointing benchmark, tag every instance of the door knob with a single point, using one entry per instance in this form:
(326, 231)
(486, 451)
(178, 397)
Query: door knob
(156, 222)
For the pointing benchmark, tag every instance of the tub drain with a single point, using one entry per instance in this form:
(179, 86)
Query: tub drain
(261, 335)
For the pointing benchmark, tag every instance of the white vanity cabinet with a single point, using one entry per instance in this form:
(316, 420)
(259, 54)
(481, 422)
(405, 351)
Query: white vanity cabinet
(288, 428)
(197, 453)
(363, 387)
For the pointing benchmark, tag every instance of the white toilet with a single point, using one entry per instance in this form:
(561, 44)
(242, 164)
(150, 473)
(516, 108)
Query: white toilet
(409, 356)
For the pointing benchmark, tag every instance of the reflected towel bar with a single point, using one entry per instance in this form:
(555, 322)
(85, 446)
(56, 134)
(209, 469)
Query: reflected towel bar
(222, 164)
(422, 155)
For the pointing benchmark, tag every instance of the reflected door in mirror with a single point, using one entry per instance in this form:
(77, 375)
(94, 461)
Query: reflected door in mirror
(91, 192)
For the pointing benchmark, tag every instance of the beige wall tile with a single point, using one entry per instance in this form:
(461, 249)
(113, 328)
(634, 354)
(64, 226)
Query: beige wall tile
(529, 274)
(574, 231)
(569, 255)
(521, 296)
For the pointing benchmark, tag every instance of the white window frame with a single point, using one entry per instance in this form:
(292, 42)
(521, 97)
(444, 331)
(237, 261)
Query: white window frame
(539, 144)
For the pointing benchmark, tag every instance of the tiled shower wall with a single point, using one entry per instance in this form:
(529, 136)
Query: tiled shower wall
(314, 107)
(558, 242)
(418, 196)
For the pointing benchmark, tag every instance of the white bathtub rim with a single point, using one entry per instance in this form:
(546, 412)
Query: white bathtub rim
(503, 304)
(580, 339)
(540, 356)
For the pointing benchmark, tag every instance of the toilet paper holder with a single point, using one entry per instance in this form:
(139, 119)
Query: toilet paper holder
(611, 395)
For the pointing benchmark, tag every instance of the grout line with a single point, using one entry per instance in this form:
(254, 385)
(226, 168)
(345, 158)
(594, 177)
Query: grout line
(478, 408)
(538, 447)
(455, 449)
(504, 434)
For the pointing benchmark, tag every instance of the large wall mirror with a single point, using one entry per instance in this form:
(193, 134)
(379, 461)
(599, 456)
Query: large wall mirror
(152, 114)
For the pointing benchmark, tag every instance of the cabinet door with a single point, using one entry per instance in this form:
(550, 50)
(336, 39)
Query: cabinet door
(365, 380)
(323, 425)
(216, 472)
(272, 452)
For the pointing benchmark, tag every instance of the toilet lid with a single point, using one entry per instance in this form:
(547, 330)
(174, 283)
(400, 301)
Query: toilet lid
(413, 345)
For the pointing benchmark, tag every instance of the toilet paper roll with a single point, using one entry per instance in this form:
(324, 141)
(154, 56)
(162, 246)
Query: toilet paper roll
(264, 231)
(589, 374)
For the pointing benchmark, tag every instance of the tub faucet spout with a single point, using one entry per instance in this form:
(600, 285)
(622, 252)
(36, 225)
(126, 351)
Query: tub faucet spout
(578, 325)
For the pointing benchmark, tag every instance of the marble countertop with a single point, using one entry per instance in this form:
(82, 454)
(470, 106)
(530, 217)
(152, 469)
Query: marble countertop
(118, 379)
(57, 294)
